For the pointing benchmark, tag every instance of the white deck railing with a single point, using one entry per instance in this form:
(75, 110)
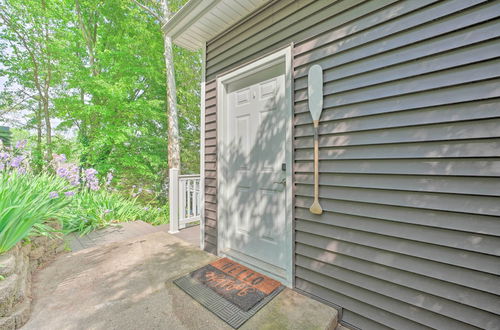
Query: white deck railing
(185, 200)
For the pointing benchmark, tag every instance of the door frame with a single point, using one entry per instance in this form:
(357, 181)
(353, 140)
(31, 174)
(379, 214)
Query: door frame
(281, 56)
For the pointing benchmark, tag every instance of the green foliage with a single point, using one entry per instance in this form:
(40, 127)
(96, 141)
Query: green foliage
(108, 89)
(98, 68)
(25, 200)
(187, 76)
(91, 210)
(5, 135)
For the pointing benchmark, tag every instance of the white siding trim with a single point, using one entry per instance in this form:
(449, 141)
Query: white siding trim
(196, 15)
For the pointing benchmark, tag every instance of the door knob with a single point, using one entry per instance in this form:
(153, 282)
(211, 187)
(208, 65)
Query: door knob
(282, 181)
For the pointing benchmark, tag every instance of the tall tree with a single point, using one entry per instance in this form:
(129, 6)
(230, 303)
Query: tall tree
(88, 23)
(162, 15)
(107, 93)
(114, 91)
(28, 28)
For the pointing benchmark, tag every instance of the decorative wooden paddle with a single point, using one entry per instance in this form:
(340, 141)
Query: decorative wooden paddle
(315, 91)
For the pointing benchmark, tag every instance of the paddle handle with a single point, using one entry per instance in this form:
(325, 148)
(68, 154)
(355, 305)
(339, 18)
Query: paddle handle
(316, 161)
(316, 207)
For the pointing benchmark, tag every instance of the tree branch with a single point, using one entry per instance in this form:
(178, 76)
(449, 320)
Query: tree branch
(30, 51)
(149, 10)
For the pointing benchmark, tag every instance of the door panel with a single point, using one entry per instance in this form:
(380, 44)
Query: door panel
(255, 179)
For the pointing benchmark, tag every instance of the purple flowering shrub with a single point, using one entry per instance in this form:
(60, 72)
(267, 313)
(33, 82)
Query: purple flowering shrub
(14, 159)
(74, 195)
(26, 200)
(96, 204)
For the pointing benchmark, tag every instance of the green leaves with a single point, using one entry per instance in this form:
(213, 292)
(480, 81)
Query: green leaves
(107, 91)
(25, 200)
(91, 210)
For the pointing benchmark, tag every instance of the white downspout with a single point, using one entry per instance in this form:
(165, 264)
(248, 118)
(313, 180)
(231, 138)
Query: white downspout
(202, 147)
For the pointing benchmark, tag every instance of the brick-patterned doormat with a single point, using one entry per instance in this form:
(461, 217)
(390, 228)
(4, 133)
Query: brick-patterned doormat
(231, 291)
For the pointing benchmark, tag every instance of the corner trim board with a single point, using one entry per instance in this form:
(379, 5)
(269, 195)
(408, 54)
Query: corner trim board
(202, 145)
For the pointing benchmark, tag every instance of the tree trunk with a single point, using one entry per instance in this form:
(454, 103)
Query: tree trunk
(39, 151)
(48, 129)
(89, 31)
(174, 158)
(46, 95)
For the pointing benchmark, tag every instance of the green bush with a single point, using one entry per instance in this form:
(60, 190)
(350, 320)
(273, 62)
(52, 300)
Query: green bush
(91, 210)
(74, 196)
(27, 200)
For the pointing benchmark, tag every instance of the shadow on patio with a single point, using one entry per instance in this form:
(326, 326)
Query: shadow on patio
(128, 285)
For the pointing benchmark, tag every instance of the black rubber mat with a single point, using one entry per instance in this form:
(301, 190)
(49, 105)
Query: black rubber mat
(239, 284)
(224, 309)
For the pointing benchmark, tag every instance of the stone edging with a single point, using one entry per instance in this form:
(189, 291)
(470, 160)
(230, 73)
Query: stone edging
(16, 268)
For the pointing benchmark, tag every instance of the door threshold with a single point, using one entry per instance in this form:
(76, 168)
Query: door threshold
(265, 268)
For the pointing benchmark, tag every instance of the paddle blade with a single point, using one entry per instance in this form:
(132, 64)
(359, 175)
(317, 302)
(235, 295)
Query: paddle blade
(315, 91)
(316, 208)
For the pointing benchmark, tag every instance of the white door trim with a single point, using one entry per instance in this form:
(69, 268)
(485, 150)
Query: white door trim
(281, 56)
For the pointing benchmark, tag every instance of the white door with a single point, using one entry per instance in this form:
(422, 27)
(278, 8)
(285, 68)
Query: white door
(256, 170)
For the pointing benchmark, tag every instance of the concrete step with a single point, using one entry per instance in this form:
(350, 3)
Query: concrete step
(291, 310)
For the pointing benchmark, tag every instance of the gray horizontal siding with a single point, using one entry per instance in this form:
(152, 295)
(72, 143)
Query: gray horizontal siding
(431, 269)
(474, 167)
(478, 129)
(469, 297)
(424, 24)
(486, 245)
(441, 149)
(363, 236)
(409, 155)
(428, 302)
(343, 79)
(210, 168)
(441, 184)
(436, 80)
(400, 302)
(456, 112)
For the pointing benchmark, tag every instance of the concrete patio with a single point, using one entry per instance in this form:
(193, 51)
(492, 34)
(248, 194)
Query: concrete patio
(127, 284)
(126, 230)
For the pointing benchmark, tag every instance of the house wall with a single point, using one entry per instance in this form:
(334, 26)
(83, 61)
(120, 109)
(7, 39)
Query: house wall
(210, 167)
(409, 155)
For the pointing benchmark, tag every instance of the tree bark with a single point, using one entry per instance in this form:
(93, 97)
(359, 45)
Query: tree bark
(39, 155)
(48, 129)
(89, 33)
(174, 159)
(47, 80)
(89, 36)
